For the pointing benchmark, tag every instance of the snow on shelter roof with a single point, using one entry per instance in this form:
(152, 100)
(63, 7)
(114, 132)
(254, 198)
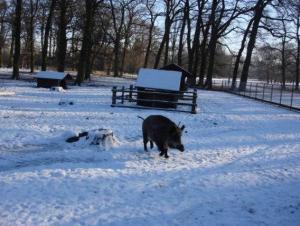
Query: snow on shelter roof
(50, 75)
(159, 79)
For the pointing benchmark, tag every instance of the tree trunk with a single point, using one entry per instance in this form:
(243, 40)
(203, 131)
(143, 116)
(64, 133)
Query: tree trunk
(180, 45)
(167, 42)
(116, 56)
(159, 52)
(298, 52)
(1, 56)
(211, 60)
(85, 53)
(196, 41)
(2, 41)
(259, 8)
(283, 62)
(11, 50)
(189, 39)
(126, 43)
(166, 37)
(46, 36)
(149, 44)
(185, 22)
(50, 46)
(62, 37)
(31, 38)
(212, 45)
(42, 28)
(203, 52)
(127, 35)
(239, 55)
(17, 37)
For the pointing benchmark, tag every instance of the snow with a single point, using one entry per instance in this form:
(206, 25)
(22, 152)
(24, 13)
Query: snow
(241, 165)
(50, 75)
(159, 79)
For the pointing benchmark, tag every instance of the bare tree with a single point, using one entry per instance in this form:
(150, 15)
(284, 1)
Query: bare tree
(33, 7)
(3, 14)
(128, 31)
(62, 35)
(172, 9)
(17, 39)
(184, 22)
(258, 13)
(221, 21)
(118, 13)
(196, 42)
(295, 14)
(152, 17)
(46, 36)
(85, 53)
(239, 55)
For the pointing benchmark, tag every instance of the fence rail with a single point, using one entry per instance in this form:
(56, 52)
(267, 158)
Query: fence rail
(131, 97)
(276, 94)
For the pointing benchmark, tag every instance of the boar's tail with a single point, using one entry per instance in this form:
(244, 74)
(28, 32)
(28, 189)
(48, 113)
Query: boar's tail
(141, 117)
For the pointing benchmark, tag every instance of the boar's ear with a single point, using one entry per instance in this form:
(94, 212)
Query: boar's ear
(182, 127)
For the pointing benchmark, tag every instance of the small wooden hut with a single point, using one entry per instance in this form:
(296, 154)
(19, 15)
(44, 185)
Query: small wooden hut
(158, 88)
(186, 77)
(48, 79)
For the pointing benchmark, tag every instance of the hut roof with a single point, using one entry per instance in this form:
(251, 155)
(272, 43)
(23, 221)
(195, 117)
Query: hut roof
(175, 67)
(50, 75)
(159, 79)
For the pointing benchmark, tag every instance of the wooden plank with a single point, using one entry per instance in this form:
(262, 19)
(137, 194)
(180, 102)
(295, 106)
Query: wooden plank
(150, 108)
(155, 91)
(153, 100)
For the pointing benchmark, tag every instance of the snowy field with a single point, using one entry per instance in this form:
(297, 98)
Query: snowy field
(241, 165)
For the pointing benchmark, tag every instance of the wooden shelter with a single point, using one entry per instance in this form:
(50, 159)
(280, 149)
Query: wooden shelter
(159, 85)
(186, 77)
(156, 89)
(48, 79)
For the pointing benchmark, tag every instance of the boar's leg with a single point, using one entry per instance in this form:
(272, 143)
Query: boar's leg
(166, 154)
(145, 140)
(151, 144)
(163, 150)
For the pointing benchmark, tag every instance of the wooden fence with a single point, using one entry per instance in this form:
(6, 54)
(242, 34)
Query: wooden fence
(130, 97)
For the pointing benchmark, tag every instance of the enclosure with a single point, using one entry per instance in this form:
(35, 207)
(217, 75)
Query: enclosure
(240, 165)
(284, 96)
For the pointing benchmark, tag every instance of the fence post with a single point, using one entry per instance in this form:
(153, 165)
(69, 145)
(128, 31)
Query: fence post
(281, 90)
(130, 93)
(194, 104)
(222, 85)
(122, 95)
(271, 93)
(292, 97)
(256, 90)
(114, 95)
(264, 86)
(250, 89)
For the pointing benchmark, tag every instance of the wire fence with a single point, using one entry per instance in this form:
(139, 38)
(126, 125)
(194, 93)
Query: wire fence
(287, 96)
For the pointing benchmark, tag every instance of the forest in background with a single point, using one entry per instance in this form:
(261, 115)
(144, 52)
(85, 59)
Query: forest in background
(234, 39)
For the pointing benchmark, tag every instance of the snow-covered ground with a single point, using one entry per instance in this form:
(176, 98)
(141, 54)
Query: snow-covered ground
(241, 165)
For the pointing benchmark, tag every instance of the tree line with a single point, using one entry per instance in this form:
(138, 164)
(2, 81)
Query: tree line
(236, 39)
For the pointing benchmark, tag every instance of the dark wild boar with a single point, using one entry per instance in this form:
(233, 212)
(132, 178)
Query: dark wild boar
(163, 132)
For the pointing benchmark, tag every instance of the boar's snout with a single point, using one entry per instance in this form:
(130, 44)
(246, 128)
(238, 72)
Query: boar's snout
(180, 147)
